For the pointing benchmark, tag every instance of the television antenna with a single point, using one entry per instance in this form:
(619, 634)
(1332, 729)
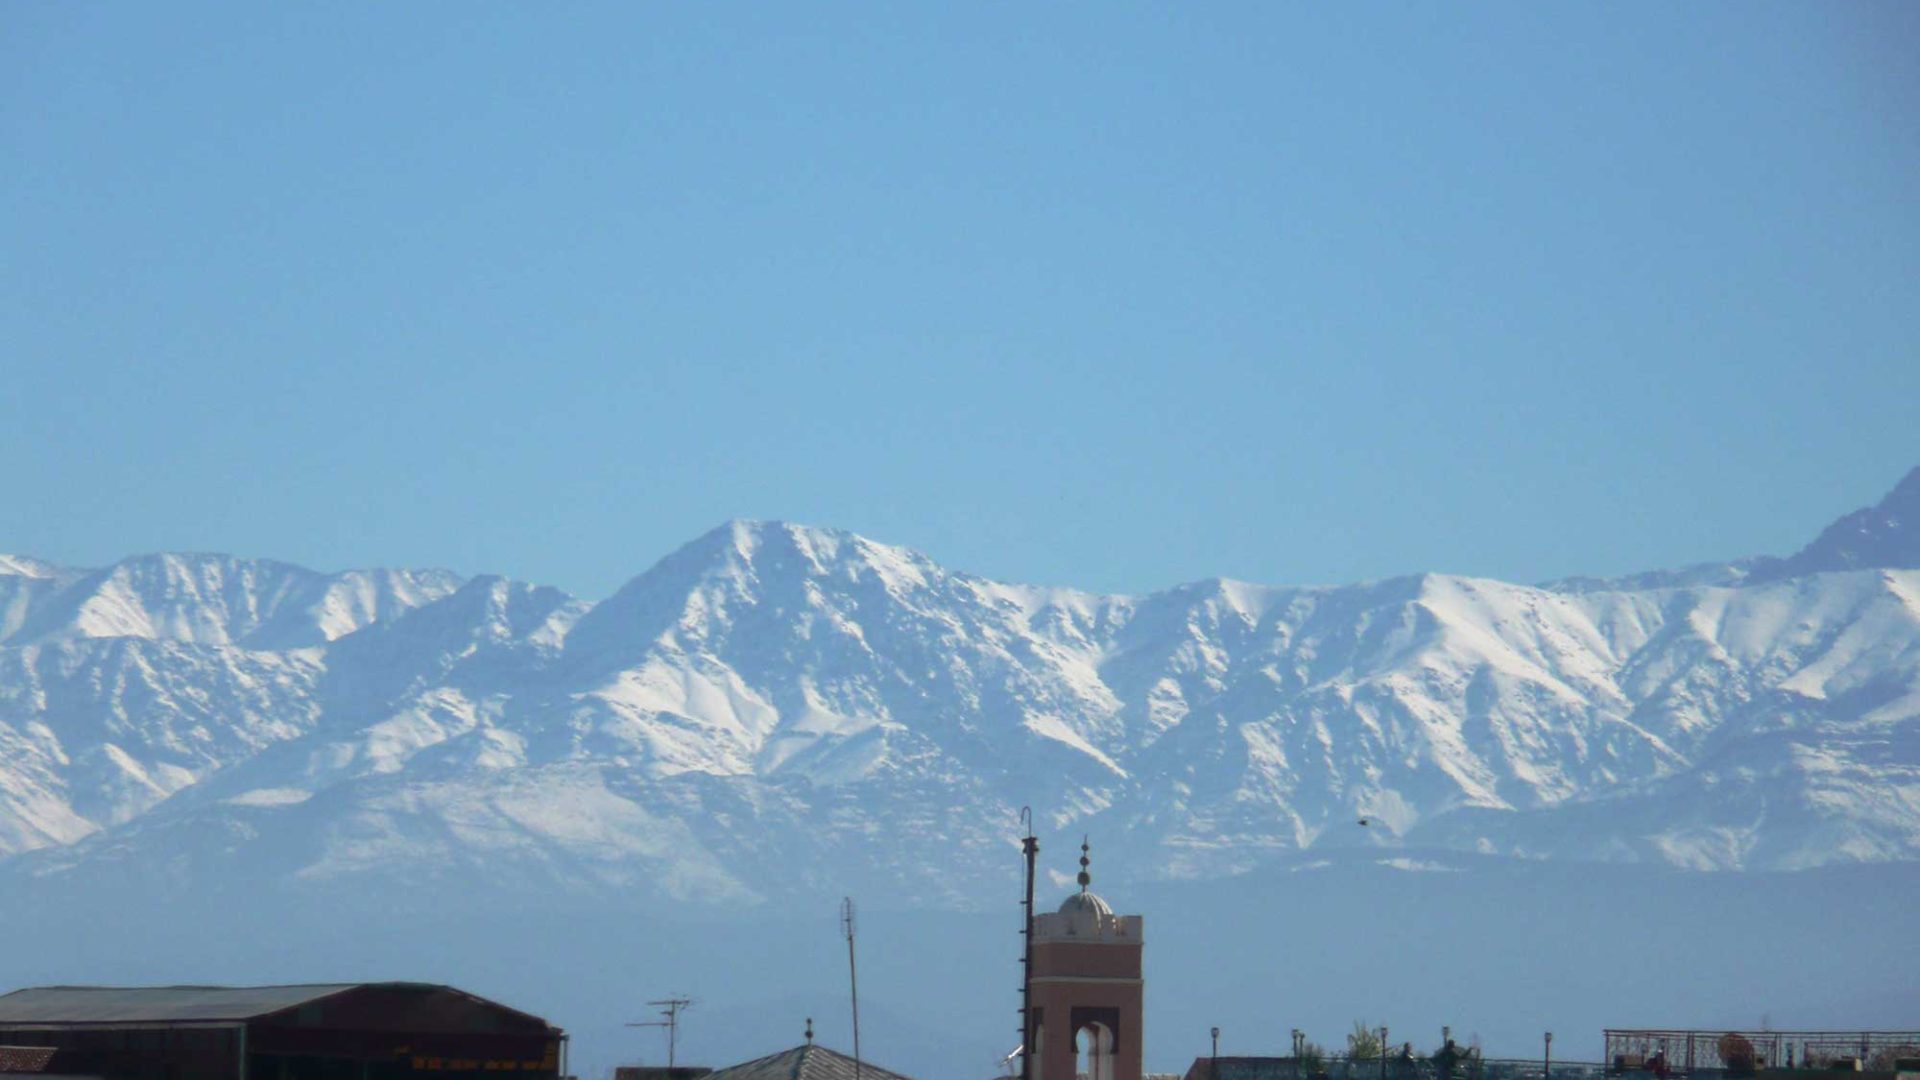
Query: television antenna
(669, 1008)
(853, 979)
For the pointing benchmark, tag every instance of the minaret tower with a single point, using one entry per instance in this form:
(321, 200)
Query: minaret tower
(1087, 987)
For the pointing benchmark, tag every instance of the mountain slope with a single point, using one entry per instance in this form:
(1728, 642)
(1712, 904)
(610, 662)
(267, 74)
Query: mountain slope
(1884, 535)
(776, 708)
(122, 686)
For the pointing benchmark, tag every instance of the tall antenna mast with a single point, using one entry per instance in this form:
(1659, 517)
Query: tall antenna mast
(853, 979)
(1030, 846)
(670, 1008)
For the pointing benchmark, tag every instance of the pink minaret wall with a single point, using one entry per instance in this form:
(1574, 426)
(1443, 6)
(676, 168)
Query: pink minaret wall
(1087, 983)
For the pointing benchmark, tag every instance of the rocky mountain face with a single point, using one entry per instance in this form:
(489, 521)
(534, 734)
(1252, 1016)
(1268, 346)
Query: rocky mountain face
(1886, 535)
(776, 709)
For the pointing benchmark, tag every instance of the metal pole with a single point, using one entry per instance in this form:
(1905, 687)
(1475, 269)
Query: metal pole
(1029, 846)
(1546, 1063)
(670, 1008)
(1213, 1067)
(853, 982)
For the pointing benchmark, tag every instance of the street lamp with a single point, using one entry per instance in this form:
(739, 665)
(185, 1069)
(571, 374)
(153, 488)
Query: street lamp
(1214, 1067)
(1383, 1052)
(1546, 1063)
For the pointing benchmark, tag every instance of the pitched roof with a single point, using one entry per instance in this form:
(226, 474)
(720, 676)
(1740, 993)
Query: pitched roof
(809, 1062)
(155, 1004)
(1245, 1068)
(26, 1059)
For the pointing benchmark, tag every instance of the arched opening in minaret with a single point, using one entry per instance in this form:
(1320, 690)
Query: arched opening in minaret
(1093, 1052)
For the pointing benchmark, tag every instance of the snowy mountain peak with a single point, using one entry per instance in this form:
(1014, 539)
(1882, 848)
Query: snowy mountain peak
(773, 696)
(781, 546)
(741, 551)
(22, 566)
(210, 599)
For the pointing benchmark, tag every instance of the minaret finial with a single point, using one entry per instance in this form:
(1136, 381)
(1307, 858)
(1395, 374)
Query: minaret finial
(1086, 879)
(809, 1031)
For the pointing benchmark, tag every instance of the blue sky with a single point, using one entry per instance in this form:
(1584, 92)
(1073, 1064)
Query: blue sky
(1108, 295)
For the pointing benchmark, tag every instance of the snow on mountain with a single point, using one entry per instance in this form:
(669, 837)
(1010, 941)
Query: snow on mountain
(122, 686)
(775, 708)
(204, 600)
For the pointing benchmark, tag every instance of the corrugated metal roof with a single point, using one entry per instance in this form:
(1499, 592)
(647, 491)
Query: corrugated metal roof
(155, 1004)
(807, 1062)
(26, 1059)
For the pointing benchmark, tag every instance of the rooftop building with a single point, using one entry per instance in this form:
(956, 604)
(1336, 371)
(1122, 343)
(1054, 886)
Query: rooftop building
(330, 1031)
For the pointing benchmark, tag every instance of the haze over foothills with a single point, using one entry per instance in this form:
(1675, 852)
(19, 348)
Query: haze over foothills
(783, 442)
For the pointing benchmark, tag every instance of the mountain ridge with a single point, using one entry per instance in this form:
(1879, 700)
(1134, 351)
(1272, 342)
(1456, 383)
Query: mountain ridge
(774, 706)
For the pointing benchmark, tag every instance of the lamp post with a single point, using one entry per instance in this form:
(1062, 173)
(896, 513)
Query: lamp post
(1030, 847)
(1546, 1062)
(1383, 1052)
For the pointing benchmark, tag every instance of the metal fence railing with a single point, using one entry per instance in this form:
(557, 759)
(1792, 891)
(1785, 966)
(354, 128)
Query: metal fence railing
(1742, 1052)
(1470, 1066)
(1632, 1055)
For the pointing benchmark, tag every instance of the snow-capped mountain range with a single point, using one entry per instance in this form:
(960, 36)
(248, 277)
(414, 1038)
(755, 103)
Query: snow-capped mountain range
(776, 708)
